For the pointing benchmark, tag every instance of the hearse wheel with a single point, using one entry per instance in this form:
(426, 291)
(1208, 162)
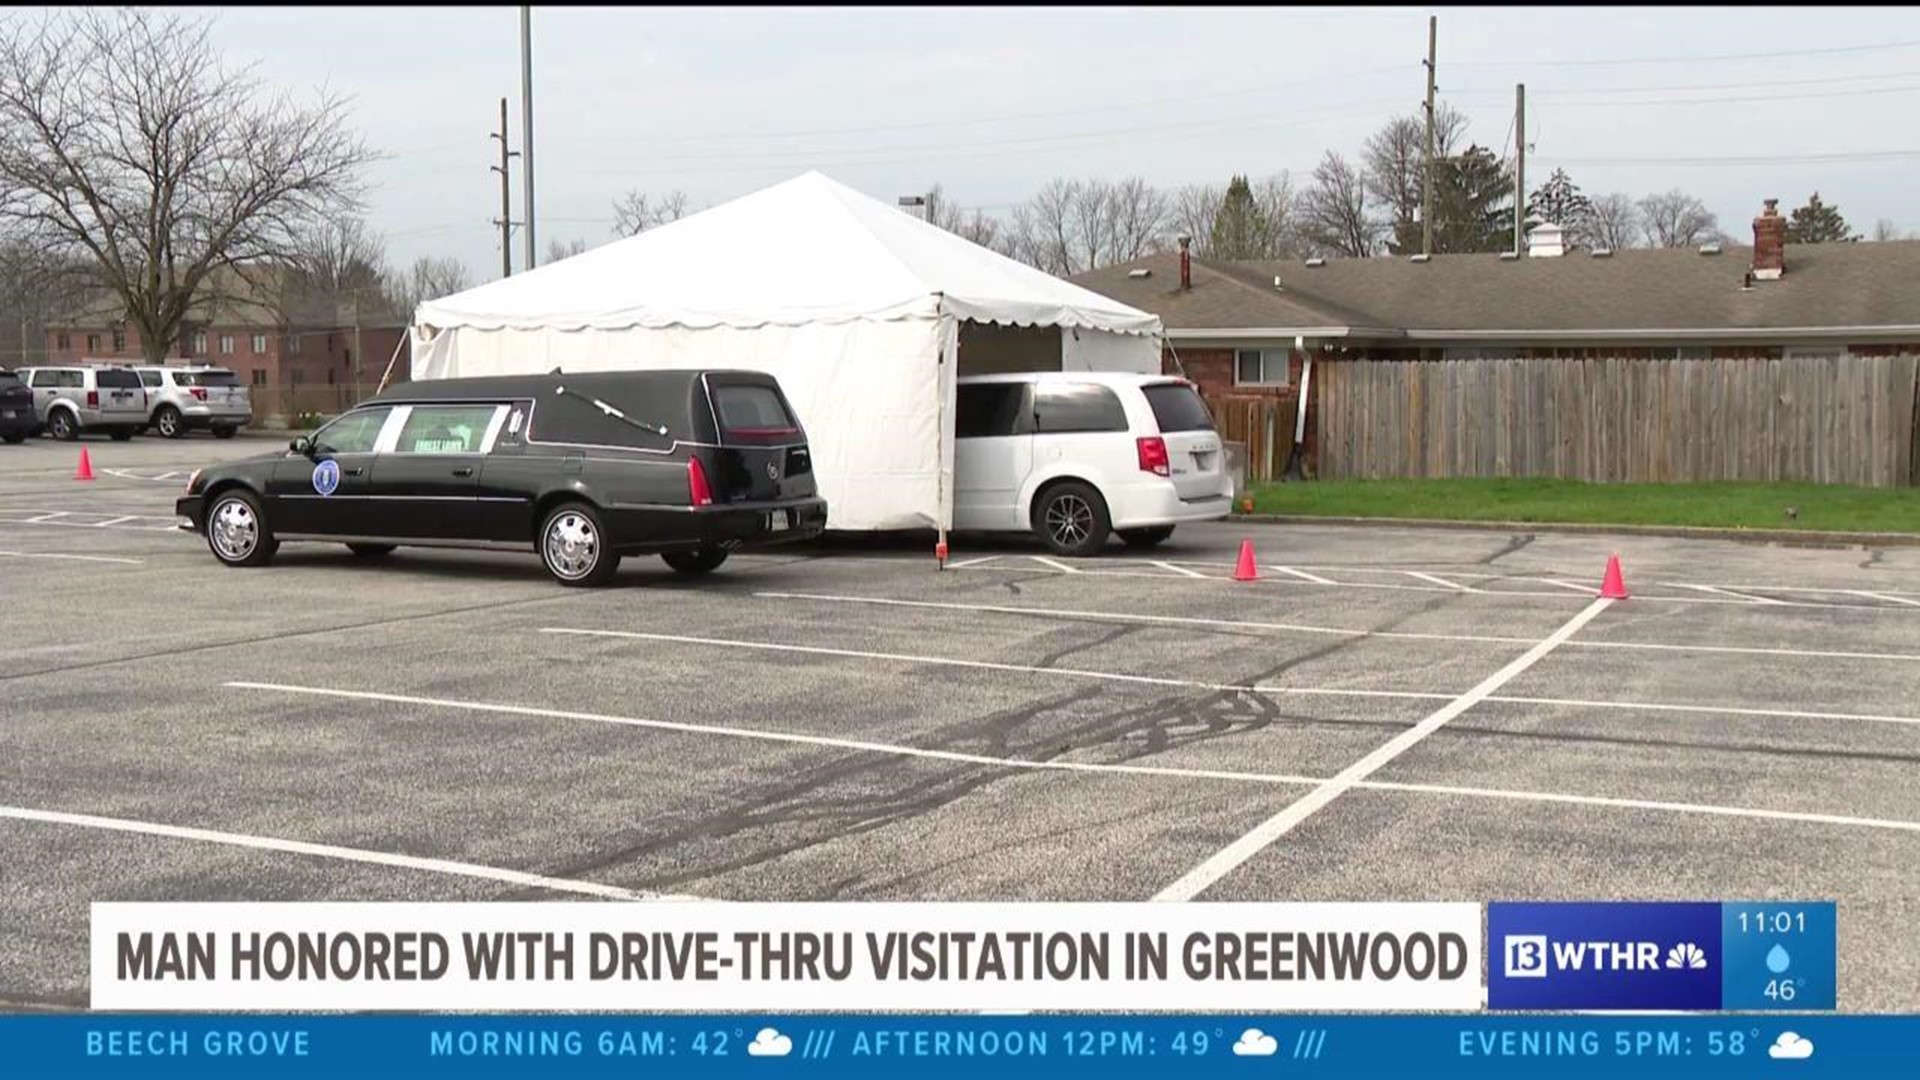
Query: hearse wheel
(237, 531)
(696, 562)
(573, 544)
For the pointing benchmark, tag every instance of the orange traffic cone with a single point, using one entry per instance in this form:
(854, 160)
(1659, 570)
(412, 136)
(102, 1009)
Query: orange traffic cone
(940, 553)
(85, 471)
(1247, 570)
(1613, 587)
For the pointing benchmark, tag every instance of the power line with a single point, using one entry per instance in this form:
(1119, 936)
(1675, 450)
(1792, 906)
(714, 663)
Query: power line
(1784, 157)
(1692, 59)
(1663, 88)
(1556, 98)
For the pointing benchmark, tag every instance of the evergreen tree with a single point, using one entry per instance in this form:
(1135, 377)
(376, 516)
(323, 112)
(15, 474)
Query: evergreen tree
(1473, 203)
(1819, 223)
(1240, 227)
(1561, 202)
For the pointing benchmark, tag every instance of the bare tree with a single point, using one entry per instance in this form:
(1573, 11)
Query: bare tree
(1192, 214)
(636, 212)
(1885, 229)
(331, 263)
(428, 278)
(1676, 219)
(1046, 228)
(123, 139)
(1333, 212)
(975, 225)
(1138, 214)
(1393, 162)
(1613, 222)
(1280, 209)
(557, 250)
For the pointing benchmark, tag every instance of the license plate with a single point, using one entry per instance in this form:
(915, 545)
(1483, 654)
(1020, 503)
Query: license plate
(120, 395)
(777, 521)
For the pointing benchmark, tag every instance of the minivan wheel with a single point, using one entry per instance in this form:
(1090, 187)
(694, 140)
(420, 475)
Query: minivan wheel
(697, 562)
(237, 531)
(60, 425)
(1071, 519)
(169, 423)
(573, 544)
(1146, 538)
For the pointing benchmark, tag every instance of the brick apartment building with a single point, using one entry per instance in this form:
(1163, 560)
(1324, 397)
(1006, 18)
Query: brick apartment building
(297, 356)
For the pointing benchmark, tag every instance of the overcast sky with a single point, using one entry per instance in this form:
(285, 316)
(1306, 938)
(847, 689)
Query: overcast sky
(993, 102)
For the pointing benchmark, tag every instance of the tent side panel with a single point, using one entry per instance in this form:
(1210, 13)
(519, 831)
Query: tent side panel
(869, 394)
(1103, 350)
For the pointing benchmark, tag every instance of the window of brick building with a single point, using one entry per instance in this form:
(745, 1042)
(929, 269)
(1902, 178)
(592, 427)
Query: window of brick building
(93, 344)
(226, 344)
(293, 344)
(62, 342)
(259, 376)
(199, 343)
(119, 342)
(1261, 367)
(259, 344)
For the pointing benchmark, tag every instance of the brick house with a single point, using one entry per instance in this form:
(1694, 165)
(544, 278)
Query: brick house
(1244, 328)
(297, 355)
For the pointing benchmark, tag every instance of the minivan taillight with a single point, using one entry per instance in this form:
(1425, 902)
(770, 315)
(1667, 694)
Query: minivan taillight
(697, 490)
(93, 399)
(1153, 455)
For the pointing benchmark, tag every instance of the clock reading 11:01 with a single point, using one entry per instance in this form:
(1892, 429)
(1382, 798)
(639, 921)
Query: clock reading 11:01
(1773, 922)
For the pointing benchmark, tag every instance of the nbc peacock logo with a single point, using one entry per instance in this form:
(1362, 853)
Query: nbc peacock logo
(1686, 956)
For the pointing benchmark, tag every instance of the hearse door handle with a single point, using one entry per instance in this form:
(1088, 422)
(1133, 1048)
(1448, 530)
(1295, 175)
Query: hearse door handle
(464, 470)
(355, 471)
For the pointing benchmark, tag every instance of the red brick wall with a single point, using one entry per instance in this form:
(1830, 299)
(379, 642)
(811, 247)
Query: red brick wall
(1212, 371)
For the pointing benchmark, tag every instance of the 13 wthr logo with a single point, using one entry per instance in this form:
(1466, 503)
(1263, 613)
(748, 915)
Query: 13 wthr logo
(1604, 956)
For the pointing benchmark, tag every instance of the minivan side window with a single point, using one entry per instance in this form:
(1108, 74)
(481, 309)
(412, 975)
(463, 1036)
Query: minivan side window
(445, 429)
(1060, 408)
(991, 410)
(354, 433)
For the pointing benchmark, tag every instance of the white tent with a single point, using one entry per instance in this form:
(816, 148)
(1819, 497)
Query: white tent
(859, 309)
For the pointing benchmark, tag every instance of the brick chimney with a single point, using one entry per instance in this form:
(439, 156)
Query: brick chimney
(1769, 243)
(1186, 264)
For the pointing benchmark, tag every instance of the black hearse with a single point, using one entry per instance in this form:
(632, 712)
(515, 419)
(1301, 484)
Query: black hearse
(582, 468)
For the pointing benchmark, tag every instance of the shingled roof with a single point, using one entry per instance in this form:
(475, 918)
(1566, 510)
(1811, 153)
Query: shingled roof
(1857, 291)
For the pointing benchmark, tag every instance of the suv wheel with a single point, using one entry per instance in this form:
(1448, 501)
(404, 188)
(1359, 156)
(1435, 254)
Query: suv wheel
(1146, 538)
(169, 422)
(697, 562)
(1071, 519)
(573, 544)
(237, 531)
(61, 425)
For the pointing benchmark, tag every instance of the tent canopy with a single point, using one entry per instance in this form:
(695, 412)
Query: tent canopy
(806, 251)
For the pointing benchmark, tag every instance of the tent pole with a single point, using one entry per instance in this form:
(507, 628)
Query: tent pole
(947, 378)
(391, 360)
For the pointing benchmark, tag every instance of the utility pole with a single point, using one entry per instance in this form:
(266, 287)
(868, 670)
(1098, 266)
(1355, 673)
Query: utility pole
(505, 220)
(1426, 165)
(1520, 169)
(526, 125)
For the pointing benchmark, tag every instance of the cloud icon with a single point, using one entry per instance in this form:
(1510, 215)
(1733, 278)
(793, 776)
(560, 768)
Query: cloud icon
(1790, 1045)
(1256, 1043)
(1686, 955)
(770, 1043)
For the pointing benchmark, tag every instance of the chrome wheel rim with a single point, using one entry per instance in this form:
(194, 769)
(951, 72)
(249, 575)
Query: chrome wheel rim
(168, 423)
(1069, 520)
(235, 530)
(573, 547)
(62, 427)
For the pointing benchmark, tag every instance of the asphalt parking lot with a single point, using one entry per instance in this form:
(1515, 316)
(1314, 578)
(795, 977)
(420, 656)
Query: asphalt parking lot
(1385, 714)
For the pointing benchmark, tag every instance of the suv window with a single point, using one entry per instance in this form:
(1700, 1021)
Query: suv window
(354, 433)
(8, 378)
(751, 409)
(206, 378)
(445, 429)
(988, 410)
(1177, 408)
(1059, 408)
(56, 378)
(116, 378)
(150, 378)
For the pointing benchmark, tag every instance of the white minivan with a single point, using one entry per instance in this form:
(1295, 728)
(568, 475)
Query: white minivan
(1072, 456)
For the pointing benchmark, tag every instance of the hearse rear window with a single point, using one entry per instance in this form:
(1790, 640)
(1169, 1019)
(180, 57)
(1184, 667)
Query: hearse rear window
(751, 409)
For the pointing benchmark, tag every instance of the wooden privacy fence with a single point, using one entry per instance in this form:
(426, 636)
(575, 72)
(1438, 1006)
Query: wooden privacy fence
(1264, 424)
(1839, 420)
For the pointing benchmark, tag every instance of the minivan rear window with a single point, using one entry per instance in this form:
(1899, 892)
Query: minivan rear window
(119, 378)
(1177, 407)
(752, 410)
(206, 378)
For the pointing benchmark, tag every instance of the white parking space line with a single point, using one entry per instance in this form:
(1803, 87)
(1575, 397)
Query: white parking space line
(964, 563)
(76, 558)
(45, 518)
(1246, 688)
(1573, 585)
(1054, 563)
(330, 851)
(1181, 570)
(111, 522)
(1226, 860)
(1302, 575)
(1888, 597)
(1298, 628)
(1016, 764)
(1718, 591)
(1440, 581)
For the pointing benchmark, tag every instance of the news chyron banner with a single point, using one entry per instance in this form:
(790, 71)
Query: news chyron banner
(702, 956)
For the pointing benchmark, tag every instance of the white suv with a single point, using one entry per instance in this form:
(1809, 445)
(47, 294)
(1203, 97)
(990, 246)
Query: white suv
(1073, 456)
(183, 398)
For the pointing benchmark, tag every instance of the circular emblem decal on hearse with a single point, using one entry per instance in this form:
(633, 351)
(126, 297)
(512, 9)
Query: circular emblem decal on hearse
(773, 470)
(326, 477)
